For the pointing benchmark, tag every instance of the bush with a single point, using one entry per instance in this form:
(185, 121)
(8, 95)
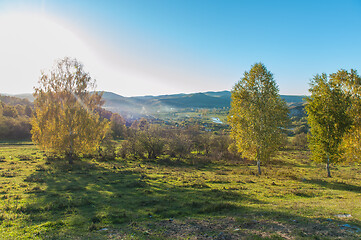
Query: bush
(300, 141)
(179, 144)
(301, 129)
(107, 150)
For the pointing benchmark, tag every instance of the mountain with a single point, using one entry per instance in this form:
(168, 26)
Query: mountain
(145, 105)
(166, 103)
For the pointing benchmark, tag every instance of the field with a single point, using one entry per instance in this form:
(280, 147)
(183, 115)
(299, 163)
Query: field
(45, 198)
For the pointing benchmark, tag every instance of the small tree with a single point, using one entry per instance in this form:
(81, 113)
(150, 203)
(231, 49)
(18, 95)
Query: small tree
(300, 141)
(141, 124)
(28, 111)
(328, 119)
(179, 143)
(10, 111)
(152, 141)
(117, 126)
(257, 115)
(64, 120)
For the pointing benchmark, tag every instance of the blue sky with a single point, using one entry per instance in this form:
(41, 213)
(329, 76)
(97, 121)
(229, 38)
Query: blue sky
(154, 47)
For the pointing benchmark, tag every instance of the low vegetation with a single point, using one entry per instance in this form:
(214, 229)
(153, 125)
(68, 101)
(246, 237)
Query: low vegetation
(15, 116)
(43, 197)
(185, 174)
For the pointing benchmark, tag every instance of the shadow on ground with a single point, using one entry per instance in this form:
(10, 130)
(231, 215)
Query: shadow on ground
(335, 185)
(116, 200)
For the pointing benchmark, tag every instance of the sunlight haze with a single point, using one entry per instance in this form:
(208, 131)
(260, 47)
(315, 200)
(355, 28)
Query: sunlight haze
(165, 47)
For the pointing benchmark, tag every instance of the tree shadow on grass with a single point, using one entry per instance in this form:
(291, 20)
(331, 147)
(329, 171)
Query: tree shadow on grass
(192, 162)
(81, 199)
(335, 185)
(88, 196)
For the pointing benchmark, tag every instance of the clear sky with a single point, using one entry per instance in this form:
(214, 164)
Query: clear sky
(152, 47)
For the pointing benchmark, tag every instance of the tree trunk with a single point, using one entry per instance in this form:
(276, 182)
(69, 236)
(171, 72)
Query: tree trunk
(70, 154)
(259, 166)
(70, 158)
(328, 167)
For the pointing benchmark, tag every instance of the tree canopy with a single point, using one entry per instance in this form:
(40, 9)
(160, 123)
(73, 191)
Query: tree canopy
(351, 85)
(258, 115)
(328, 119)
(65, 121)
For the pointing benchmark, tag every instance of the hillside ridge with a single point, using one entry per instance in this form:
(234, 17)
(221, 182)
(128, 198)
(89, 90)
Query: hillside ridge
(166, 103)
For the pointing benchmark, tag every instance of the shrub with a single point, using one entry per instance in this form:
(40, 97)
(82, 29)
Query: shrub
(300, 141)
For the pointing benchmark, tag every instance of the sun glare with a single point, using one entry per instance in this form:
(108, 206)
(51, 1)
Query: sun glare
(31, 42)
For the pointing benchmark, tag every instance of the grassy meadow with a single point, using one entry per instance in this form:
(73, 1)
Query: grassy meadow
(196, 198)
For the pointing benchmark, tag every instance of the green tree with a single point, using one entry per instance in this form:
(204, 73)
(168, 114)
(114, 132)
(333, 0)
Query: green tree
(351, 85)
(152, 141)
(258, 115)
(179, 143)
(117, 126)
(328, 119)
(65, 121)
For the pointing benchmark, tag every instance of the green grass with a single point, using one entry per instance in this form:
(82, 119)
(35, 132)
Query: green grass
(166, 198)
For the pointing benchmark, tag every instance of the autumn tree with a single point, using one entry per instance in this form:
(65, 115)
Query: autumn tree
(258, 115)
(1, 109)
(141, 124)
(10, 111)
(328, 119)
(28, 111)
(350, 83)
(64, 119)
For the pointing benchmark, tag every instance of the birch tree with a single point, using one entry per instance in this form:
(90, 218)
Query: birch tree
(258, 115)
(65, 121)
(328, 118)
(351, 85)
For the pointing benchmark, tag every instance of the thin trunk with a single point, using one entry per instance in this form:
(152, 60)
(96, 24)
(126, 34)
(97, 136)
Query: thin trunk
(70, 155)
(328, 167)
(259, 166)
(70, 158)
(259, 160)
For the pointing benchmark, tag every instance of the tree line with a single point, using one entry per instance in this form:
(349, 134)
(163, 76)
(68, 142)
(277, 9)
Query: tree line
(68, 120)
(15, 117)
(258, 116)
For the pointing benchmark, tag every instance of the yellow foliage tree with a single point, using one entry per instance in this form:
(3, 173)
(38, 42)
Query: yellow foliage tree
(65, 121)
(258, 115)
(351, 86)
(328, 119)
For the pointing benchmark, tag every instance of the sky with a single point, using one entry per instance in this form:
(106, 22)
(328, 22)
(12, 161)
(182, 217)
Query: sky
(155, 47)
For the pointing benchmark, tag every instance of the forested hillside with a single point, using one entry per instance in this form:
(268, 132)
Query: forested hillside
(15, 116)
(148, 105)
(169, 103)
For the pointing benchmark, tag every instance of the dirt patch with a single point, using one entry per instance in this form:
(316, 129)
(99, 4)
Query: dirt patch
(233, 228)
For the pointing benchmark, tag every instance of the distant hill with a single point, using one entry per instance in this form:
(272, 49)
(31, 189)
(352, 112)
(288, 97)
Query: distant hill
(149, 104)
(27, 96)
(14, 100)
(145, 105)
